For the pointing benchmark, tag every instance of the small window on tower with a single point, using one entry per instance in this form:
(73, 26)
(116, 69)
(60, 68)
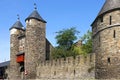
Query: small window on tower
(114, 34)
(108, 60)
(99, 41)
(110, 20)
(101, 19)
(54, 72)
(74, 71)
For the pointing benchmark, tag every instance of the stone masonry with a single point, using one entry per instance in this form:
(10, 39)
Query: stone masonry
(36, 49)
(106, 41)
(30, 50)
(67, 69)
(14, 48)
(35, 46)
(13, 64)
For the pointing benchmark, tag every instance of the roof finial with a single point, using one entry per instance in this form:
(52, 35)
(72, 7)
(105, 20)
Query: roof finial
(35, 6)
(18, 17)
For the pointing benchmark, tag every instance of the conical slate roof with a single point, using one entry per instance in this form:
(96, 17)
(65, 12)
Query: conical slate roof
(110, 5)
(17, 25)
(35, 15)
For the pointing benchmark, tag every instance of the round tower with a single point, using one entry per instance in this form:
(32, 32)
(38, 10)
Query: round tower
(106, 41)
(35, 43)
(15, 31)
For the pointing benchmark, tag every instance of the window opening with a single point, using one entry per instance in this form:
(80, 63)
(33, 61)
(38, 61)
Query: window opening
(110, 20)
(74, 71)
(114, 34)
(101, 18)
(108, 60)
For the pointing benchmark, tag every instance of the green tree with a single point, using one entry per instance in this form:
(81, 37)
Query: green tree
(77, 50)
(87, 42)
(65, 40)
(66, 47)
(66, 37)
(59, 52)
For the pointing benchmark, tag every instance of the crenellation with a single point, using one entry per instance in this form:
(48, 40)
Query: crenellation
(54, 63)
(79, 60)
(57, 62)
(62, 62)
(62, 68)
(89, 59)
(69, 60)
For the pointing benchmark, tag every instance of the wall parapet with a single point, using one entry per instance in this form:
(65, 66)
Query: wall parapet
(80, 59)
(70, 68)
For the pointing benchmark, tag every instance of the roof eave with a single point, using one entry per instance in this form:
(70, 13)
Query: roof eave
(36, 19)
(17, 28)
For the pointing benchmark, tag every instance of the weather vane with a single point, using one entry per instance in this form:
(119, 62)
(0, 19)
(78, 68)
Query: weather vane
(35, 6)
(18, 17)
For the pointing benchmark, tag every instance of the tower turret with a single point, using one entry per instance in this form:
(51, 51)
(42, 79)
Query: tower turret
(106, 41)
(35, 43)
(15, 31)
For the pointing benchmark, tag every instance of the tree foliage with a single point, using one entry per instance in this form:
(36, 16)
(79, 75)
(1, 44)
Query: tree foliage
(66, 46)
(66, 37)
(65, 40)
(62, 53)
(87, 42)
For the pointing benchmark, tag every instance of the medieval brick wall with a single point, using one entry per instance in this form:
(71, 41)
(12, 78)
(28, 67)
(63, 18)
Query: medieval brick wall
(69, 68)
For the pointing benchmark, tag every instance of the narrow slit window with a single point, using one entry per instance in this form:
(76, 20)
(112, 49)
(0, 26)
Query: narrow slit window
(54, 72)
(114, 34)
(99, 40)
(110, 20)
(109, 60)
(74, 71)
(101, 18)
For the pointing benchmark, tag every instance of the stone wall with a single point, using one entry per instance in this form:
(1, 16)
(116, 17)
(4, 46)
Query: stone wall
(49, 48)
(35, 46)
(14, 48)
(79, 68)
(106, 45)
